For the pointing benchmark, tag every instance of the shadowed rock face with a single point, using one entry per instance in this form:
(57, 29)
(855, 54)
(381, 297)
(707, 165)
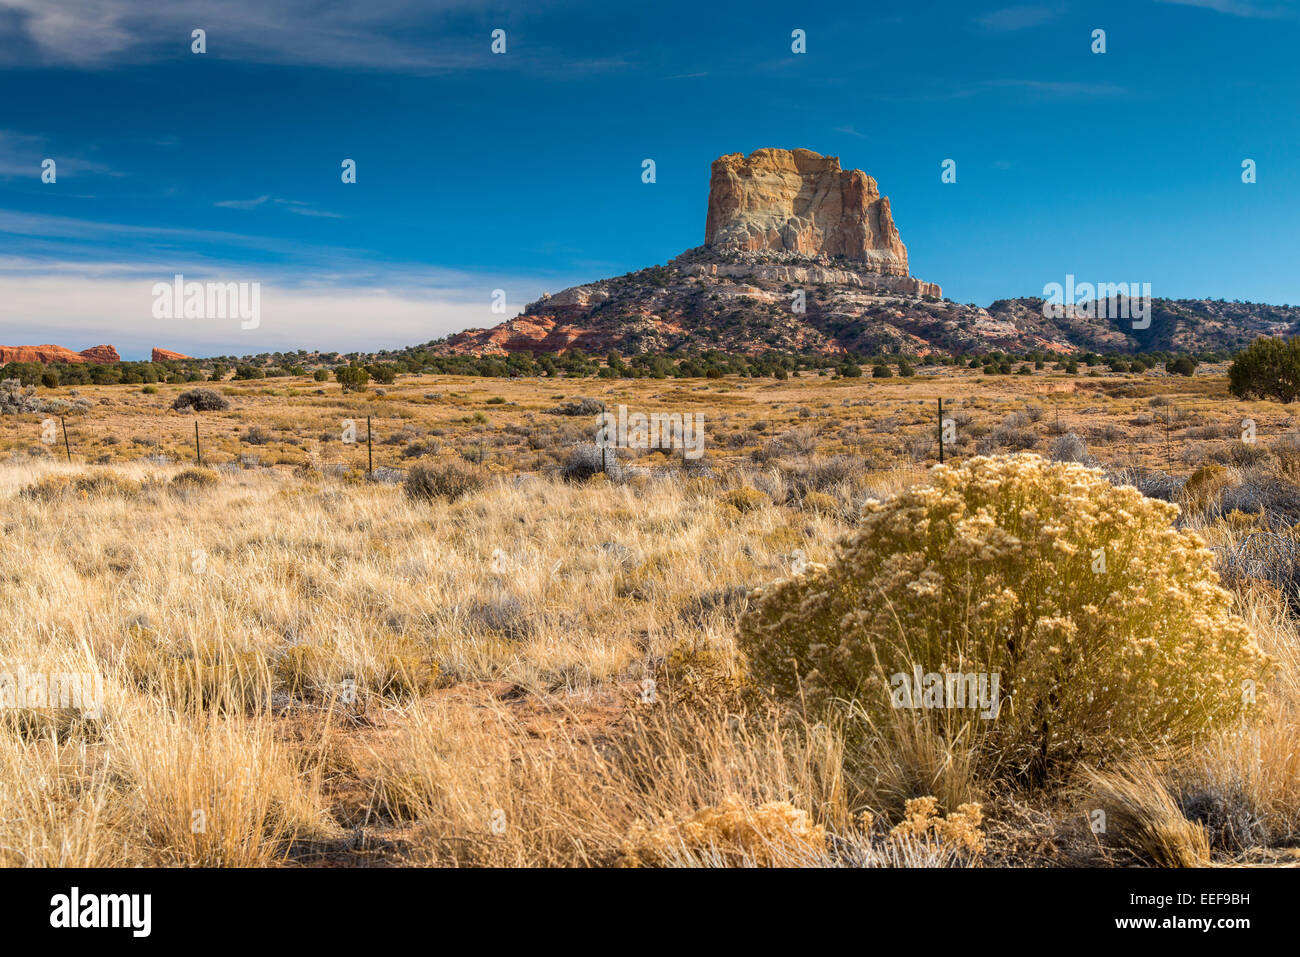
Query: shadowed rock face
(798, 201)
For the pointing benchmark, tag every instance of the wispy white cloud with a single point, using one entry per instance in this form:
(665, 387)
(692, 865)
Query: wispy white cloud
(297, 206)
(306, 209)
(91, 237)
(939, 91)
(389, 35)
(21, 155)
(1054, 88)
(1257, 9)
(243, 203)
(1023, 17)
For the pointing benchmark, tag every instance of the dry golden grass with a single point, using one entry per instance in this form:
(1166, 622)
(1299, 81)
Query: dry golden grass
(300, 666)
(1141, 809)
(1150, 420)
(224, 617)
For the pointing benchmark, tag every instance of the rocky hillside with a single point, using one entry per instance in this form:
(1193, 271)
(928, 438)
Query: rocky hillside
(744, 303)
(1177, 325)
(802, 256)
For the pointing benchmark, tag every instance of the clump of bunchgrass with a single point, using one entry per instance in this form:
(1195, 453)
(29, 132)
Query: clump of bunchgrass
(195, 478)
(745, 499)
(58, 487)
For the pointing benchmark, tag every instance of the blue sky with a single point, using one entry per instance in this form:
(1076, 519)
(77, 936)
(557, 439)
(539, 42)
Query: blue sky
(522, 171)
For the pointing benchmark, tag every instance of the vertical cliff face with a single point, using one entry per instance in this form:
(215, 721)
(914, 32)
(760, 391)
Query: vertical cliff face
(798, 201)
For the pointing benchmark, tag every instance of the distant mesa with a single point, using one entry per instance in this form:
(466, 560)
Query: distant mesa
(166, 355)
(57, 355)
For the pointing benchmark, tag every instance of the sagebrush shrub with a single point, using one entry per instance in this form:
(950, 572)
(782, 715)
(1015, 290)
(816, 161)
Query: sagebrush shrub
(445, 480)
(1107, 627)
(585, 462)
(1071, 448)
(201, 400)
(587, 407)
(16, 399)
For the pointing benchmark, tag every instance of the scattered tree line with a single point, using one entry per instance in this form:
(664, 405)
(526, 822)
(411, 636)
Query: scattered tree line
(355, 372)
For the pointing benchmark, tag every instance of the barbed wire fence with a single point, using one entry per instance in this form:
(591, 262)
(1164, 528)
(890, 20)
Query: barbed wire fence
(941, 436)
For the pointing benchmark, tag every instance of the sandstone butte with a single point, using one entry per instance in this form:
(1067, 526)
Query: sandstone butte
(165, 355)
(801, 202)
(57, 354)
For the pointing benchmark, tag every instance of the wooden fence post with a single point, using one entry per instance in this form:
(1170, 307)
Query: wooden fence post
(940, 431)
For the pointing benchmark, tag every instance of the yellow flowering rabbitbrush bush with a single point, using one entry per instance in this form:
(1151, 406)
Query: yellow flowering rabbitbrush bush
(1106, 626)
(774, 834)
(958, 833)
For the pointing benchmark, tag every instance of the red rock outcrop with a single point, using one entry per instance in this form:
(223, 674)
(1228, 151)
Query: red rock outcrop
(46, 354)
(54, 355)
(166, 355)
(538, 334)
(100, 354)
